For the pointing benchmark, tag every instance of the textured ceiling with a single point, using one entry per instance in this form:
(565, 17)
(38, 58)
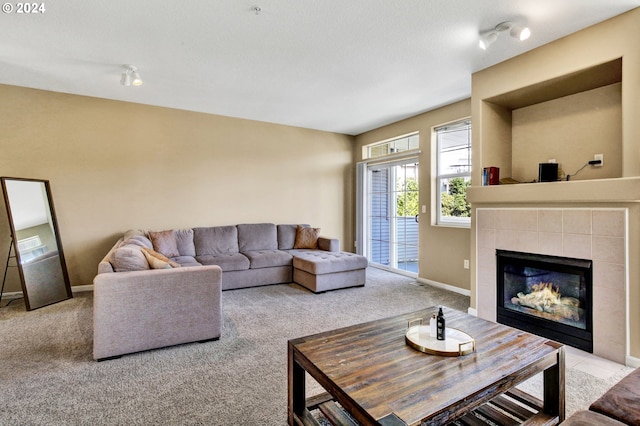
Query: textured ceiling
(345, 66)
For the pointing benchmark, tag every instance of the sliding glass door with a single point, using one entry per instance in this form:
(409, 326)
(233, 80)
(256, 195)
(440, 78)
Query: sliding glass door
(392, 215)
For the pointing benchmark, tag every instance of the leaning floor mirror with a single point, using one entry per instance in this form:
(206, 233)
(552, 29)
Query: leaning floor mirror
(36, 241)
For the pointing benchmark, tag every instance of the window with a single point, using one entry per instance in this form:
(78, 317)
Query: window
(453, 142)
(393, 146)
(30, 248)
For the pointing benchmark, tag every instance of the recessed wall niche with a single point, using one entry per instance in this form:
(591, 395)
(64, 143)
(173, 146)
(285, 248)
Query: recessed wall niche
(568, 119)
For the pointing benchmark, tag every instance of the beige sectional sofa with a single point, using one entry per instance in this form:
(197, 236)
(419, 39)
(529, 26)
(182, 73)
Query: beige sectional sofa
(138, 281)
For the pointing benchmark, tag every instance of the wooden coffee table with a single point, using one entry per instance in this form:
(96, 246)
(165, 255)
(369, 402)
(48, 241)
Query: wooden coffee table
(370, 372)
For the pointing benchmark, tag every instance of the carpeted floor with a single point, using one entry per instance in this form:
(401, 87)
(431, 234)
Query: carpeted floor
(48, 377)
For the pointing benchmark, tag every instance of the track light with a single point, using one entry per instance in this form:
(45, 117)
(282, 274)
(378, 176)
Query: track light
(520, 32)
(130, 76)
(487, 39)
(517, 31)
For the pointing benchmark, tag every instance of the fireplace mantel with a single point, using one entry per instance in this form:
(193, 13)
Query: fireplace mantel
(617, 190)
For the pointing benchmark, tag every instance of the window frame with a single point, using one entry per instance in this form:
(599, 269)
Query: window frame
(392, 152)
(438, 218)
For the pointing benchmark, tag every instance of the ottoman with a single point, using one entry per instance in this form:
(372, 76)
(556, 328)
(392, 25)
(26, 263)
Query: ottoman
(320, 271)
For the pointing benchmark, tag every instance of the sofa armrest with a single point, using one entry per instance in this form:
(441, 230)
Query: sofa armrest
(105, 266)
(141, 310)
(329, 244)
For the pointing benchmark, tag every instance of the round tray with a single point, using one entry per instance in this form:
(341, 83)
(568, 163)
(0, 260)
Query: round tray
(457, 343)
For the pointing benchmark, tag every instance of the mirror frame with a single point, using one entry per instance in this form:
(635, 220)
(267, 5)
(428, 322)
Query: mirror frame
(16, 250)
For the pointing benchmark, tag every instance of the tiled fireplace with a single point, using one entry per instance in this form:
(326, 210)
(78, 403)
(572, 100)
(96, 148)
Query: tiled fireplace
(597, 234)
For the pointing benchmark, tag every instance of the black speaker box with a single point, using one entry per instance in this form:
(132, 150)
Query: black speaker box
(547, 172)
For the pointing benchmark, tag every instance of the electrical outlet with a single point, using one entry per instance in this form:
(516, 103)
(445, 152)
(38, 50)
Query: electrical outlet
(466, 264)
(599, 157)
(552, 160)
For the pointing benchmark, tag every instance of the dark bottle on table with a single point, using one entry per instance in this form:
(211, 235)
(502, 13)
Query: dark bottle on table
(440, 329)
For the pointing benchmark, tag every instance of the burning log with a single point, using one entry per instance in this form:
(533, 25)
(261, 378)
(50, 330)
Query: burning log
(544, 298)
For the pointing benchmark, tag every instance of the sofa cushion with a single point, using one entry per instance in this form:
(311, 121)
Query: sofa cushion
(306, 238)
(128, 257)
(215, 240)
(165, 242)
(287, 236)
(227, 262)
(268, 258)
(257, 236)
(325, 262)
(186, 261)
(184, 241)
(621, 401)
(590, 418)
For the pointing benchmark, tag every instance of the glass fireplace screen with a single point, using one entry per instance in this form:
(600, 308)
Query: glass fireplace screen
(551, 288)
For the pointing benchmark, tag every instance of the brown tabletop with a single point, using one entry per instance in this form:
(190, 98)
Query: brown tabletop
(378, 379)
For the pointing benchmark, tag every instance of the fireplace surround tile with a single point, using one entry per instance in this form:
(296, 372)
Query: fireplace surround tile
(487, 237)
(609, 276)
(609, 249)
(608, 325)
(524, 220)
(525, 241)
(550, 243)
(576, 245)
(550, 220)
(576, 221)
(609, 223)
(599, 234)
(486, 219)
(518, 220)
(503, 219)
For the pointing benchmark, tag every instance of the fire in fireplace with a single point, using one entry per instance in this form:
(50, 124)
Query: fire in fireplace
(546, 295)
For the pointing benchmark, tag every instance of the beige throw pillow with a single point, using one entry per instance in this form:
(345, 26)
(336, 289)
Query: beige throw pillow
(306, 238)
(165, 242)
(157, 260)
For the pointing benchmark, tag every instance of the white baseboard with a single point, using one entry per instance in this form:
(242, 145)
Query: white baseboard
(81, 288)
(445, 286)
(472, 311)
(632, 361)
(74, 289)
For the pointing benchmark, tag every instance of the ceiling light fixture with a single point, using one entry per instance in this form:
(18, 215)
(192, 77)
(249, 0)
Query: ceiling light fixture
(520, 32)
(130, 76)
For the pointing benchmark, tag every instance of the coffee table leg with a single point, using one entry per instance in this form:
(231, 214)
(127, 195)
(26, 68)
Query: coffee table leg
(554, 388)
(296, 387)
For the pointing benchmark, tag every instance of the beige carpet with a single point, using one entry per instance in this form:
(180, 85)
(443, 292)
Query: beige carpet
(47, 375)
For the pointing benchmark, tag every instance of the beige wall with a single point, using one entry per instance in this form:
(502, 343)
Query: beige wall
(571, 130)
(600, 44)
(442, 249)
(116, 165)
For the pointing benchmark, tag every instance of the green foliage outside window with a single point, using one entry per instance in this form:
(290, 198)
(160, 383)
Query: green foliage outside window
(407, 198)
(454, 203)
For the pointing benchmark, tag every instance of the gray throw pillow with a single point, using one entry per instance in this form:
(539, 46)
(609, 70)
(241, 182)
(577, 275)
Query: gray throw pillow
(129, 257)
(184, 240)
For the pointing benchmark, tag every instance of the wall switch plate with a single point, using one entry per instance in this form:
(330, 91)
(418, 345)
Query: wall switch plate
(466, 264)
(599, 157)
(424, 209)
